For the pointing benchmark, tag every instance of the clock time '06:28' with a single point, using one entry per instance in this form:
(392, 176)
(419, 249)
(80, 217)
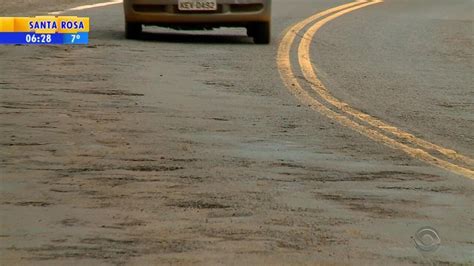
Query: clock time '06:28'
(38, 38)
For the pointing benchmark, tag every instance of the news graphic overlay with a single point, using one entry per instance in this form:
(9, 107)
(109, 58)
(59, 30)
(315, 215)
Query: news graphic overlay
(427, 239)
(44, 30)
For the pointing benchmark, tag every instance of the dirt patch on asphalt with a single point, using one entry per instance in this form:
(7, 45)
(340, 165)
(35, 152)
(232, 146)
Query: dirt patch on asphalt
(177, 152)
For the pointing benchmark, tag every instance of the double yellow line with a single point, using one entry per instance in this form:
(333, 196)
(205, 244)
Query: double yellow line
(342, 112)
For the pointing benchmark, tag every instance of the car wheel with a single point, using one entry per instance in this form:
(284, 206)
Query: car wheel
(261, 33)
(132, 30)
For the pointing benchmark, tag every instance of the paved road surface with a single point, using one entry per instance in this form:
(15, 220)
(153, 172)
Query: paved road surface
(194, 147)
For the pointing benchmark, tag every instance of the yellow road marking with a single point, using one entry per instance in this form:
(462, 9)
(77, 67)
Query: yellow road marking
(291, 82)
(316, 84)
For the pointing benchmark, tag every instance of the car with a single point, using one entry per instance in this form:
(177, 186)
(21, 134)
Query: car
(254, 15)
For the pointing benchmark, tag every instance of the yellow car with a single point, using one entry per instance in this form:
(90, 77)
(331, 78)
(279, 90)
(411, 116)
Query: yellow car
(254, 15)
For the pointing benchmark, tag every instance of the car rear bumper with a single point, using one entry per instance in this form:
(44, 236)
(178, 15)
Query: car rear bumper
(157, 12)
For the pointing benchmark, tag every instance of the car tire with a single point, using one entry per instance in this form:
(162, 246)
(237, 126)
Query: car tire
(261, 33)
(132, 30)
(250, 31)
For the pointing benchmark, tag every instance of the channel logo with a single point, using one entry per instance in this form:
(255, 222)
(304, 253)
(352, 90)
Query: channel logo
(44, 30)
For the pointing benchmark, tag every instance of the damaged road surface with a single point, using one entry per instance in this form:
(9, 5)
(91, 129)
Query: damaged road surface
(190, 148)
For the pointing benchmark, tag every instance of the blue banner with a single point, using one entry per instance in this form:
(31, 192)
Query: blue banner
(29, 38)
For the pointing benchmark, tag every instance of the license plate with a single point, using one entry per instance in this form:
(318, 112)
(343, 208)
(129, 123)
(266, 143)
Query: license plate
(197, 5)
